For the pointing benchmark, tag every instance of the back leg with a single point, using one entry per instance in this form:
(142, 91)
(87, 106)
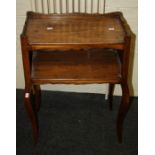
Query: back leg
(110, 95)
(37, 97)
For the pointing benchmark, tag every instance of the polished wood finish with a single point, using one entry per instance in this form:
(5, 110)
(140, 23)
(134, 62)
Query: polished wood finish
(99, 31)
(75, 49)
(108, 30)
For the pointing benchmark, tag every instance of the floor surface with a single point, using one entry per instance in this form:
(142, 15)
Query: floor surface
(76, 124)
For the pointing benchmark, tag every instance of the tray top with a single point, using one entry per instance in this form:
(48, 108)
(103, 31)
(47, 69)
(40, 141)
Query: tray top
(74, 29)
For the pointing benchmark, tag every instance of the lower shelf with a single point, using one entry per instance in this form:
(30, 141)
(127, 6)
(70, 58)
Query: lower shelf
(94, 66)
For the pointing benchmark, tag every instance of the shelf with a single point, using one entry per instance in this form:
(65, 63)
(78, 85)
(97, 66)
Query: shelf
(95, 66)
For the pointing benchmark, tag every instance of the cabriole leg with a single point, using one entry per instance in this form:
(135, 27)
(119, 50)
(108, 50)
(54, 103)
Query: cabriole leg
(37, 96)
(110, 95)
(32, 115)
(124, 106)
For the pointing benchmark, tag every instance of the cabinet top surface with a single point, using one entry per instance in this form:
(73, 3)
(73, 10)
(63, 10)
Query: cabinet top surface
(74, 29)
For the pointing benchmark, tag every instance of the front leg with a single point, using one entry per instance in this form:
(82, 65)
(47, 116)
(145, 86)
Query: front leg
(32, 114)
(124, 106)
